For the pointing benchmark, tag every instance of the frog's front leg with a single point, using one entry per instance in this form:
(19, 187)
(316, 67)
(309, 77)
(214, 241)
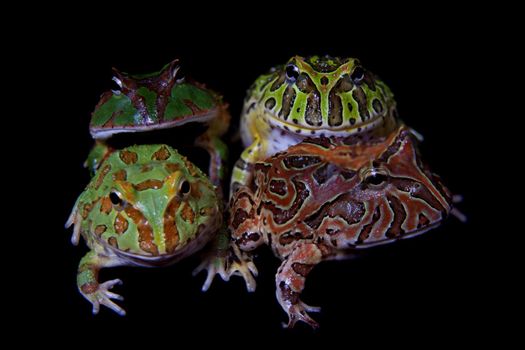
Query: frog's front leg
(87, 281)
(290, 280)
(218, 151)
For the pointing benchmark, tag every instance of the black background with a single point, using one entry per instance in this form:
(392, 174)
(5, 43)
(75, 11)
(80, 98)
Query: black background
(424, 289)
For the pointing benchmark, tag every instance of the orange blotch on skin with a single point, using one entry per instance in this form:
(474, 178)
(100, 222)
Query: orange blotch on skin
(172, 167)
(161, 154)
(113, 242)
(120, 175)
(171, 233)
(188, 214)
(105, 205)
(121, 224)
(145, 231)
(105, 170)
(89, 288)
(149, 184)
(100, 229)
(128, 157)
(86, 209)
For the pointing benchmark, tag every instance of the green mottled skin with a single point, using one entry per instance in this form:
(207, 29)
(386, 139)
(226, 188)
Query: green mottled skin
(120, 107)
(167, 170)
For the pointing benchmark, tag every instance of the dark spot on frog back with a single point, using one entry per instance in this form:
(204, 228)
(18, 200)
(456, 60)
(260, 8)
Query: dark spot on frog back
(300, 162)
(128, 157)
(148, 184)
(161, 154)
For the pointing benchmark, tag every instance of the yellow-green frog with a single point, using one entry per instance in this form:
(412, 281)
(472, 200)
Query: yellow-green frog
(310, 97)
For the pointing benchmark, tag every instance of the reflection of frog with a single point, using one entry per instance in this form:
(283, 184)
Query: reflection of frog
(327, 198)
(311, 97)
(146, 205)
(159, 101)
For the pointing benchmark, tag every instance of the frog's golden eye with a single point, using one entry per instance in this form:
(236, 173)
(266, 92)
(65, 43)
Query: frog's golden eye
(292, 72)
(115, 198)
(184, 188)
(358, 74)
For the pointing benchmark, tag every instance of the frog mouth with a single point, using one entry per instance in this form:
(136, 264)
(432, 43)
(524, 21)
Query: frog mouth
(372, 123)
(202, 237)
(104, 132)
(406, 235)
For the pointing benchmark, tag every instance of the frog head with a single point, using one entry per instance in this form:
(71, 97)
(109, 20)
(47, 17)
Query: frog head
(149, 203)
(323, 94)
(146, 102)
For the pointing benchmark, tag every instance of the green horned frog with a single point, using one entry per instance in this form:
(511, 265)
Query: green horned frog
(147, 205)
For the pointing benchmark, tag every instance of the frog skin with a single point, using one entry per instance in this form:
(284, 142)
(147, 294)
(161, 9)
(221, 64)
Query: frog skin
(161, 100)
(146, 206)
(329, 198)
(310, 97)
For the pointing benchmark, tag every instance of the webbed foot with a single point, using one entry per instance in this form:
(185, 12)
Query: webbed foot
(299, 312)
(227, 263)
(102, 296)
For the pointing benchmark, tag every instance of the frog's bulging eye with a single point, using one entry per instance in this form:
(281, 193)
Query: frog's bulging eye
(292, 72)
(358, 74)
(376, 178)
(114, 198)
(178, 73)
(185, 187)
(117, 81)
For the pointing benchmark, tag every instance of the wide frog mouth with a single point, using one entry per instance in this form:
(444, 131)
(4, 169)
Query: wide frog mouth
(406, 235)
(105, 132)
(206, 232)
(370, 124)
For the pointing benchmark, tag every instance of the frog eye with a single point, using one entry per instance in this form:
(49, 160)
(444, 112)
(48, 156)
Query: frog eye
(184, 188)
(376, 178)
(117, 85)
(292, 72)
(179, 73)
(115, 198)
(358, 74)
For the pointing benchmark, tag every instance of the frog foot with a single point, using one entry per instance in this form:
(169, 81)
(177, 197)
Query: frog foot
(299, 312)
(231, 263)
(102, 296)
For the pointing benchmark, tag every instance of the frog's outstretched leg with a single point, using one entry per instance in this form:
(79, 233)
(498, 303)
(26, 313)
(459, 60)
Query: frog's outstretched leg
(225, 259)
(290, 280)
(87, 282)
(218, 151)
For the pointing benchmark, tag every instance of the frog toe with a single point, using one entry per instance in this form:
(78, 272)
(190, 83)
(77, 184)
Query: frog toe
(102, 296)
(299, 312)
